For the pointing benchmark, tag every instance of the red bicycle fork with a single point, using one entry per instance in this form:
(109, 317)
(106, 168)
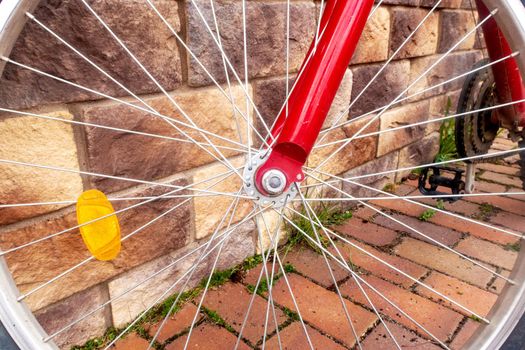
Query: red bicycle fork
(298, 125)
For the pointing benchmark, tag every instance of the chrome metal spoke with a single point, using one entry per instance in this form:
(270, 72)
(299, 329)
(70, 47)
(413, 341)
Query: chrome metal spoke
(420, 92)
(201, 65)
(165, 195)
(345, 266)
(223, 54)
(106, 127)
(383, 67)
(123, 102)
(91, 258)
(222, 158)
(165, 293)
(223, 236)
(422, 75)
(397, 269)
(230, 211)
(423, 122)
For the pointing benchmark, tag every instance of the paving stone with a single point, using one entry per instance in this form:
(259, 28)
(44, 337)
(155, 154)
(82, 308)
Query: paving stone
(478, 300)
(251, 276)
(489, 187)
(443, 260)
(367, 232)
(322, 308)
(500, 201)
(208, 336)
(437, 319)
(487, 252)
(293, 337)
(132, 341)
(501, 178)
(231, 302)
(378, 268)
(464, 334)
(497, 168)
(176, 323)
(509, 220)
(379, 338)
(440, 234)
(312, 265)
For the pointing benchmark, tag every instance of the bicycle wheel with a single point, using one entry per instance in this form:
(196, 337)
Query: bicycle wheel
(166, 106)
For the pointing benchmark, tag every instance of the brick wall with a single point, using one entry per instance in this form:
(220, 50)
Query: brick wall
(29, 139)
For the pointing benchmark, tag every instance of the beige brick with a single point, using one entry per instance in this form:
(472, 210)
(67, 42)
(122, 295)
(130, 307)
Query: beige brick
(373, 43)
(38, 141)
(455, 24)
(401, 116)
(148, 158)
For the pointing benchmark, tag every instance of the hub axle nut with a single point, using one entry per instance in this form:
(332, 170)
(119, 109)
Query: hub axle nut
(274, 182)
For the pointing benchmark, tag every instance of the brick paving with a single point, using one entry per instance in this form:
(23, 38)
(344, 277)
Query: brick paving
(320, 306)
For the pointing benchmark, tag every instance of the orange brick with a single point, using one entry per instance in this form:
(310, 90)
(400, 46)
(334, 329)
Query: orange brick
(322, 308)
(503, 202)
(443, 261)
(487, 252)
(366, 262)
(380, 339)
(509, 220)
(489, 187)
(502, 169)
(464, 334)
(441, 234)
(473, 229)
(501, 178)
(231, 302)
(400, 206)
(132, 341)
(208, 336)
(367, 232)
(437, 319)
(176, 323)
(478, 300)
(313, 265)
(293, 337)
(499, 283)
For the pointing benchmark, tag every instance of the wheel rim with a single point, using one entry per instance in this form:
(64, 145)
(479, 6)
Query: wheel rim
(513, 302)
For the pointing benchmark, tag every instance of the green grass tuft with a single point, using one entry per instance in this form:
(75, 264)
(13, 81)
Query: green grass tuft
(447, 140)
(427, 215)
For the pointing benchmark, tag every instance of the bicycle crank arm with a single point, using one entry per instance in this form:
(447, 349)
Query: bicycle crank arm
(298, 125)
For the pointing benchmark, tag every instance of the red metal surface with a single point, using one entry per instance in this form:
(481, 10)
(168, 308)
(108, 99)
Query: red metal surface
(508, 80)
(342, 23)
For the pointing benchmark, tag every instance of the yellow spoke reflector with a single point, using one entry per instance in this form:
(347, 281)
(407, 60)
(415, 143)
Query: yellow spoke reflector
(101, 237)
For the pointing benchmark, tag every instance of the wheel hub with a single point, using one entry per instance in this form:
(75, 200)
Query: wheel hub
(273, 183)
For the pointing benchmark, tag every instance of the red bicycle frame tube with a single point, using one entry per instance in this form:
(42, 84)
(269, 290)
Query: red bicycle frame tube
(343, 21)
(298, 126)
(509, 85)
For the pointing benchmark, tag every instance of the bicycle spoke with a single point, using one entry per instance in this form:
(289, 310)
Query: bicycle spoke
(192, 54)
(422, 75)
(223, 54)
(91, 258)
(345, 266)
(106, 127)
(164, 294)
(165, 195)
(444, 246)
(408, 38)
(424, 122)
(125, 103)
(230, 211)
(420, 92)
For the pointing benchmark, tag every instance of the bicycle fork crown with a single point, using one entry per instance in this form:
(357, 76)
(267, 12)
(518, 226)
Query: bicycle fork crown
(273, 189)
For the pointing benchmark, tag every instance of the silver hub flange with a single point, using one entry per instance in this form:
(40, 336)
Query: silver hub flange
(273, 181)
